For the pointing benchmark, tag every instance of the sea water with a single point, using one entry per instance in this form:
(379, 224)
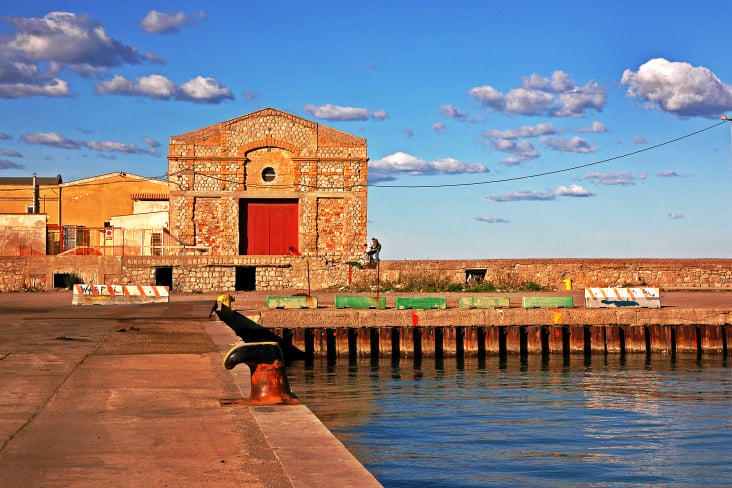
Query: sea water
(555, 421)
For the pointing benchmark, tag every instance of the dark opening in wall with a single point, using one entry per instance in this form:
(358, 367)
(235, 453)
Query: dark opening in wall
(164, 277)
(60, 280)
(474, 276)
(246, 278)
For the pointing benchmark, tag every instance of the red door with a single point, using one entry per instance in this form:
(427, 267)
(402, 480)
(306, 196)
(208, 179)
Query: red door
(268, 227)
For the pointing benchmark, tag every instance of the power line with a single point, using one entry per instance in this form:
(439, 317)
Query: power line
(564, 170)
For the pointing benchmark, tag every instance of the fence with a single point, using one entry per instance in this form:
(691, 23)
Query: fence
(94, 241)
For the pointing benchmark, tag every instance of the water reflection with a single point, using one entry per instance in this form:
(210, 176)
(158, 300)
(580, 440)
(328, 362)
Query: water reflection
(529, 420)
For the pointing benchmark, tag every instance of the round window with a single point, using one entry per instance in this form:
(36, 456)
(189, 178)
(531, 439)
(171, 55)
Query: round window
(268, 174)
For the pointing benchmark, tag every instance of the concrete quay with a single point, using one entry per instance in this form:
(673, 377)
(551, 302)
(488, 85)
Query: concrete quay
(687, 322)
(136, 395)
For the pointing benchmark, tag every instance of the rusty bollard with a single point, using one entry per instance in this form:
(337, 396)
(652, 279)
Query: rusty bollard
(267, 366)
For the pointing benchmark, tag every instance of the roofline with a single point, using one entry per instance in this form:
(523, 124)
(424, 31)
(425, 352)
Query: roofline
(109, 175)
(316, 125)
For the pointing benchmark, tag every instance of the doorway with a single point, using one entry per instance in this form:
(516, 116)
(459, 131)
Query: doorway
(268, 227)
(164, 277)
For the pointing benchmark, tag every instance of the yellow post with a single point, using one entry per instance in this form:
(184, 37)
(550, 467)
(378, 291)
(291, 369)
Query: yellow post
(225, 301)
(567, 283)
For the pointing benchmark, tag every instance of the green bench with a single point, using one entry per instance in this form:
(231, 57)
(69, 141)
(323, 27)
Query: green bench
(292, 302)
(342, 301)
(547, 302)
(485, 302)
(424, 303)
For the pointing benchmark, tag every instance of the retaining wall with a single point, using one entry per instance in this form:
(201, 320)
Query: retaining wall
(223, 273)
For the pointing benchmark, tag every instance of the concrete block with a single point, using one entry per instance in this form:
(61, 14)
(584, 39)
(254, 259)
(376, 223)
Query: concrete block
(547, 302)
(485, 302)
(292, 302)
(356, 301)
(89, 294)
(622, 297)
(424, 303)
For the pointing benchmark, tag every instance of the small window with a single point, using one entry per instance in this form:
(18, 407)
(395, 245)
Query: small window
(268, 174)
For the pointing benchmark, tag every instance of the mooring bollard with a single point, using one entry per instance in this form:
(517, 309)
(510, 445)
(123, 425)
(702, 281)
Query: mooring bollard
(267, 366)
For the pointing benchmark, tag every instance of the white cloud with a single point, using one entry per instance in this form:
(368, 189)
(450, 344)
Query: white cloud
(403, 163)
(452, 112)
(54, 88)
(525, 195)
(557, 97)
(197, 90)
(110, 146)
(675, 216)
(491, 220)
(667, 174)
(204, 90)
(335, 112)
(574, 144)
(56, 41)
(596, 128)
(612, 178)
(678, 88)
(5, 137)
(523, 131)
(51, 139)
(153, 86)
(408, 132)
(379, 115)
(641, 139)
(168, 22)
(440, 128)
(521, 150)
(66, 38)
(572, 191)
(10, 153)
(575, 191)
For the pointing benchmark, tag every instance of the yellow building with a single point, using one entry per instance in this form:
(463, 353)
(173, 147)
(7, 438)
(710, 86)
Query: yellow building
(92, 202)
(31, 194)
(78, 214)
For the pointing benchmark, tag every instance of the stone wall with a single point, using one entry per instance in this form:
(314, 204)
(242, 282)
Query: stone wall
(218, 274)
(549, 273)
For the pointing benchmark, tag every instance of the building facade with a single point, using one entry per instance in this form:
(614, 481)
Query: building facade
(269, 184)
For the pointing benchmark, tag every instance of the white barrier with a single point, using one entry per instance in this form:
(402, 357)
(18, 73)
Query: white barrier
(622, 297)
(88, 294)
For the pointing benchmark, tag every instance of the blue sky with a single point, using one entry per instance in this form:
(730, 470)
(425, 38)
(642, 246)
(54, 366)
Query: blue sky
(476, 96)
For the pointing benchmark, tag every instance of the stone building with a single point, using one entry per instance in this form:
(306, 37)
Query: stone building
(269, 184)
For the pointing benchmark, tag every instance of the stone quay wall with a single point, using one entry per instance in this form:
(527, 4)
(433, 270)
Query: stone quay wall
(549, 273)
(190, 274)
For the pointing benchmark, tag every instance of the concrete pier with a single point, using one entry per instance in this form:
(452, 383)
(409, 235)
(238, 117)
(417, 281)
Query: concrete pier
(137, 395)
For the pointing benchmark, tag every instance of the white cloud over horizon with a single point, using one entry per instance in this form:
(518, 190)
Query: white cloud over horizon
(197, 90)
(169, 22)
(336, 112)
(678, 88)
(400, 163)
(55, 41)
(572, 191)
(55, 140)
(557, 96)
(491, 220)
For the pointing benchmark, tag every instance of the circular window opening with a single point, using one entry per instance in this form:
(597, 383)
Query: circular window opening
(268, 174)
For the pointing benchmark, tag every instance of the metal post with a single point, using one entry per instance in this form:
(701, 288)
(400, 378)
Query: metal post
(378, 277)
(308, 262)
